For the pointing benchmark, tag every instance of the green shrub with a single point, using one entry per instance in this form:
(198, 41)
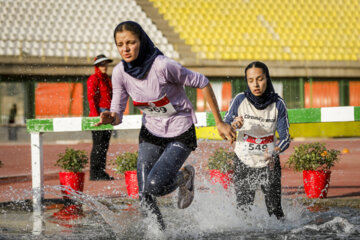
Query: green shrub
(72, 160)
(222, 160)
(313, 156)
(126, 162)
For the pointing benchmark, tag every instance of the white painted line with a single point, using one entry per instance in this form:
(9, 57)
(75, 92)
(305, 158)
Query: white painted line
(67, 124)
(337, 114)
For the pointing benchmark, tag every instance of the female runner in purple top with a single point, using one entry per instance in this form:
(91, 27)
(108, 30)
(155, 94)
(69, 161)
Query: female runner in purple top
(167, 136)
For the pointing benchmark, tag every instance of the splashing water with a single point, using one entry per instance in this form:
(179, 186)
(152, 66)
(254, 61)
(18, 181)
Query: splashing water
(212, 215)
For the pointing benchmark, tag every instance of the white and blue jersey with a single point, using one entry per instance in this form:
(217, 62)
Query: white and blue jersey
(257, 135)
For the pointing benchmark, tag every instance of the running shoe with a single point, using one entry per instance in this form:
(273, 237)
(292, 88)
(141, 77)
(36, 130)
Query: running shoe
(186, 190)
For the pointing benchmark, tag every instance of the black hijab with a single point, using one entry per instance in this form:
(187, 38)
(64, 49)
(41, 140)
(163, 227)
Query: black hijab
(269, 96)
(147, 52)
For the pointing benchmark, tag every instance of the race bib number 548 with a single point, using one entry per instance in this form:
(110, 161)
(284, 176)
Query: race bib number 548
(157, 108)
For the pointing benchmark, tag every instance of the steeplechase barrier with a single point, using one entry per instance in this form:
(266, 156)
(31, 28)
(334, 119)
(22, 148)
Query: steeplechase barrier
(205, 129)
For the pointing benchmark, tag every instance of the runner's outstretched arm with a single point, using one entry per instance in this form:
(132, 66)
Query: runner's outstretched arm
(224, 129)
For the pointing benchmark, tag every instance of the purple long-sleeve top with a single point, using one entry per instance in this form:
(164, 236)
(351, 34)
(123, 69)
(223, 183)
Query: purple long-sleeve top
(165, 77)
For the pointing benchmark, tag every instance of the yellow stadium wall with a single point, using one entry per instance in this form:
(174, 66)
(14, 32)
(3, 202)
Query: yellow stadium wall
(297, 130)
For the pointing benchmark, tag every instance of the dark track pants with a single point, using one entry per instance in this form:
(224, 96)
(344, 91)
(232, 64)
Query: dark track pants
(99, 150)
(247, 180)
(158, 172)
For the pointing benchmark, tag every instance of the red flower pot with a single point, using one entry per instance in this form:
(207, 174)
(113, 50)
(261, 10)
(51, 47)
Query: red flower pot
(224, 179)
(132, 184)
(316, 183)
(71, 181)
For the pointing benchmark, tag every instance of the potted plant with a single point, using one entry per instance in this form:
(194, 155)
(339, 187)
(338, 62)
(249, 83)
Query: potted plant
(72, 179)
(220, 165)
(315, 161)
(126, 163)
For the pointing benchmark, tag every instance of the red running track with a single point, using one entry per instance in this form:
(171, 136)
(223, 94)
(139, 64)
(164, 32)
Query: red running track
(15, 175)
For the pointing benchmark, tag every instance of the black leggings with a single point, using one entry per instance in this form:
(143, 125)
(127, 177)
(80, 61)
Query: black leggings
(247, 180)
(159, 162)
(98, 152)
(158, 173)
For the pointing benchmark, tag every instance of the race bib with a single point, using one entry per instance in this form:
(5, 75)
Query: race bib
(258, 145)
(157, 108)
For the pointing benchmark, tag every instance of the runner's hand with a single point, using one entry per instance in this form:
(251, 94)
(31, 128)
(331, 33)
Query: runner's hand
(271, 158)
(226, 132)
(106, 117)
(237, 123)
(270, 161)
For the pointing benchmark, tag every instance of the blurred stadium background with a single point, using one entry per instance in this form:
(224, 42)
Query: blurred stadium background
(311, 46)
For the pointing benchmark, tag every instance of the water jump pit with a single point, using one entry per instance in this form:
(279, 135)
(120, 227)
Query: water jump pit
(212, 215)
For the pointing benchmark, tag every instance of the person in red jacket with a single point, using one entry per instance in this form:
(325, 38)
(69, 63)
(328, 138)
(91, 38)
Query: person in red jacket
(99, 93)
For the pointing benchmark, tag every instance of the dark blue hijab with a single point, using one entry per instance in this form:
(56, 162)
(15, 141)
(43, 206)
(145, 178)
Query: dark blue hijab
(147, 53)
(269, 96)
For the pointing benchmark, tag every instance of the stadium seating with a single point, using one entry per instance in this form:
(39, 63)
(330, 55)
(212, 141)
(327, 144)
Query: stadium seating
(267, 29)
(215, 29)
(70, 28)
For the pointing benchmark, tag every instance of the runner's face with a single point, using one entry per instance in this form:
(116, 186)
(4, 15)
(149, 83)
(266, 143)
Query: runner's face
(128, 45)
(103, 67)
(256, 81)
